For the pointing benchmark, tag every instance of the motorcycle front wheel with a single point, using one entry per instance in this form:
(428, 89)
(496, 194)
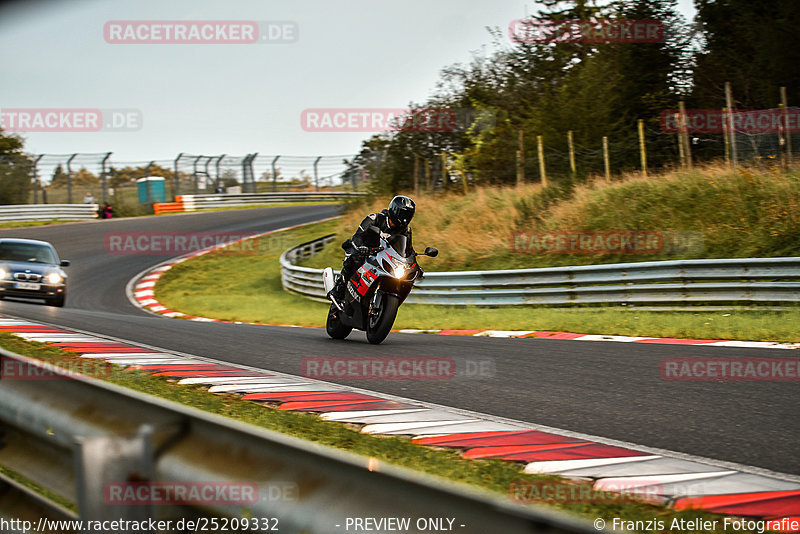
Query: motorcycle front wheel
(380, 320)
(334, 326)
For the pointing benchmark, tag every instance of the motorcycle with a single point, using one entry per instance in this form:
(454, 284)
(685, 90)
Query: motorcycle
(377, 289)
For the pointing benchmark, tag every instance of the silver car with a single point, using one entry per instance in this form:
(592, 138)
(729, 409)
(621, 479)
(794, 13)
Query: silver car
(31, 269)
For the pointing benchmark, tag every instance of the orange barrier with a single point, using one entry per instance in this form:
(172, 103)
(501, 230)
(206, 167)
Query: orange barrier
(168, 207)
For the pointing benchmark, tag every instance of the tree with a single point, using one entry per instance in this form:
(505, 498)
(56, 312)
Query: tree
(16, 170)
(85, 178)
(127, 176)
(229, 178)
(59, 178)
(266, 176)
(753, 45)
(10, 145)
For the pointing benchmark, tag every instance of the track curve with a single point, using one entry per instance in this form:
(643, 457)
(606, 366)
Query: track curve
(606, 389)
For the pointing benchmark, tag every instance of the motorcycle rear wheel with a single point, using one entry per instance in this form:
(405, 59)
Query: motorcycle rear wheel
(378, 329)
(334, 326)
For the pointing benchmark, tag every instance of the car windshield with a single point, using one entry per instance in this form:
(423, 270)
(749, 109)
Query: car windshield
(27, 252)
(401, 244)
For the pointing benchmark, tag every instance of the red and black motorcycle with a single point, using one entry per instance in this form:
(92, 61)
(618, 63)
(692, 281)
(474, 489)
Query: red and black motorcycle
(376, 291)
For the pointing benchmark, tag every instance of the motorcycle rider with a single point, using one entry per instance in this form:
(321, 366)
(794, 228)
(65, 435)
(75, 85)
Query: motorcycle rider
(393, 221)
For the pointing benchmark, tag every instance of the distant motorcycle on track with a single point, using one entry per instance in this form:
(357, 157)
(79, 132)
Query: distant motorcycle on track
(374, 294)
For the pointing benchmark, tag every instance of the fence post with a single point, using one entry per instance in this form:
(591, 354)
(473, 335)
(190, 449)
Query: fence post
(684, 130)
(248, 171)
(521, 158)
(787, 131)
(606, 163)
(194, 173)
(175, 177)
(207, 176)
(726, 137)
(571, 146)
(274, 174)
(103, 460)
(445, 176)
(69, 178)
(540, 152)
(428, 185)
(731, 129)
(782, 140)
(245, 172)
(642, 148)
(104, 178)
(316, 174)
(36, 178)
(216, 165)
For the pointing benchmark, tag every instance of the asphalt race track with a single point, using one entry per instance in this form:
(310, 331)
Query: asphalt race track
(613, 390)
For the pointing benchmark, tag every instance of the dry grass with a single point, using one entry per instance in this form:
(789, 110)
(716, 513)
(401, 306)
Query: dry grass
(753, 212)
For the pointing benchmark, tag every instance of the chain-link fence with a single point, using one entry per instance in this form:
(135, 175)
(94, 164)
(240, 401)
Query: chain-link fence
(131, 187)
(762, 139)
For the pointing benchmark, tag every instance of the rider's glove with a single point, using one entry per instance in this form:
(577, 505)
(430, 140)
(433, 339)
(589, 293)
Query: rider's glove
(363, 251)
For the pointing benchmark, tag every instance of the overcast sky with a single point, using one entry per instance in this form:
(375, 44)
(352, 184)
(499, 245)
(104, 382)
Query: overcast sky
(235, 98)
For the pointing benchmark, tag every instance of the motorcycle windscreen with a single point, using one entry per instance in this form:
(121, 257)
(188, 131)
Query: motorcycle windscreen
(401, 245)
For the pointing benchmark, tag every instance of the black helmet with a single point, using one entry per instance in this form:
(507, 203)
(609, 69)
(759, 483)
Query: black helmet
(401, 210)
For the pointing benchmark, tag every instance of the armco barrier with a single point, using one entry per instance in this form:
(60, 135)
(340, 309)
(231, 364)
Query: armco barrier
(79, 437)
(676, 282)
(200, 202)
(47, 212)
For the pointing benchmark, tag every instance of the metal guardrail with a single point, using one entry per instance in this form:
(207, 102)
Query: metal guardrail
(198, 202)
(750, 280)
(304, 280)
(77, 438)
(47, 212)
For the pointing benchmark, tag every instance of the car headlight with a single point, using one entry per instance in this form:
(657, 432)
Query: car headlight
(54, 278)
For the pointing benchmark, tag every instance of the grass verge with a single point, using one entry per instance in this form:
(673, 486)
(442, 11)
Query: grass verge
(493, 475)
(247, 288)
(748, 213)
(27, 224)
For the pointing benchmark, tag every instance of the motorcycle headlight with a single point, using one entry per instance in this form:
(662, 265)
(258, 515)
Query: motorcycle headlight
(54, 278)
(3, 274)
(400, 271)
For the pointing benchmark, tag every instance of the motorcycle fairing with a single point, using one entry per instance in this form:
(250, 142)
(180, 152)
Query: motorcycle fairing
(363, 279)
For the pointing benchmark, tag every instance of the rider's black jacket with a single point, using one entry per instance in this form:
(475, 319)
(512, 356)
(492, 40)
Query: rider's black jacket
(381, 220)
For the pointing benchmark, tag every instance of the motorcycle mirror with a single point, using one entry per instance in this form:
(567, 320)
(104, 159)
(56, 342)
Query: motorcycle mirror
(432, 252)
